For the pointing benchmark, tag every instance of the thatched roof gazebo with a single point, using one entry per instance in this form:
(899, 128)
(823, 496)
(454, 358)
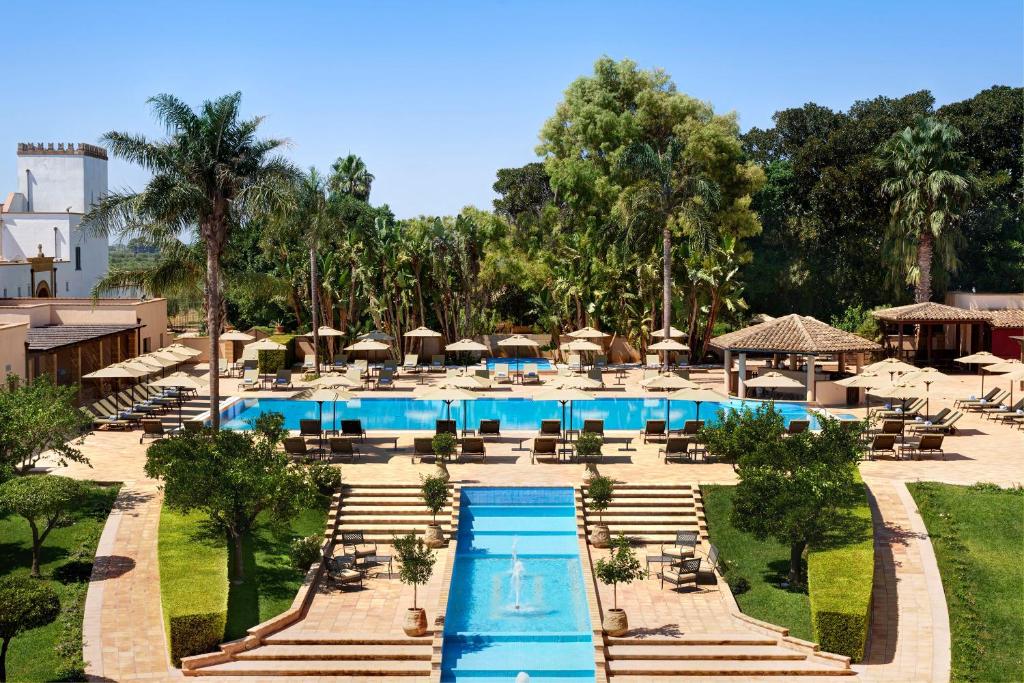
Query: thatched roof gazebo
(793, 335)
(921, 342)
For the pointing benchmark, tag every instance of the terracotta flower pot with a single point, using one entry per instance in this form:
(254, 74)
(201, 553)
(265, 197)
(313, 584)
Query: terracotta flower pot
(434, 538)
(615, 622)
(415, 621)
(600, 537)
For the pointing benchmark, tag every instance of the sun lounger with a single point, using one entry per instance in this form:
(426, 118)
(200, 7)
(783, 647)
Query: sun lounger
(652, 361)
(595, 374)
(946, 427)
(386, 378)
(894, 427)
(912, 410)
(501, 373)
(354, 376)
(531, 373)
(601, 362)
(390, 365)
(882, 443)
(411, 363)
(692, 427)
(363, 365)
(353, 428)
(676, 449)
(309, 363)
(490, 428)
(1002, 409)
(929, 444)
(311, 428)
(593, 427)
(992, 393)
(295, 447)
(474, 446)
(445, 427)
(543, 447)
(223, 370)
(797, 426)
(983, 403)
(340, 361)
(437, 363)
(575, 362)
(654, 429)
(192, 425)
(250, 379)
(152, 429)
(342, 447)
(422, 447)
(550, 428)
(283, 380)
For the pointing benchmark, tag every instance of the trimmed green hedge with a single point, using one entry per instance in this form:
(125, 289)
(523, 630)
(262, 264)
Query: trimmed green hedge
(839, 581)
(193, 584)
(272, 361)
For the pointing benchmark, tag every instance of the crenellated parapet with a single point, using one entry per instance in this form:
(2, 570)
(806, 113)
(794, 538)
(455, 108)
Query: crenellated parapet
(70, 148)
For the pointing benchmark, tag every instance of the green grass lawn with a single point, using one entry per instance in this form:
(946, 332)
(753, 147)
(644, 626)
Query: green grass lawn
(53, 652)
(978, 536)
(764, 564)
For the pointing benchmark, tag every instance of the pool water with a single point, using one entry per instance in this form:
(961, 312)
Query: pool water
(515, 365)
(515, 414)
(497, 626)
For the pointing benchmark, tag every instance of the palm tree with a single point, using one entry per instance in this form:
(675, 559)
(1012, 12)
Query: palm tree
(930, 188)
(666, 194)
(210, 174)
(351, 177)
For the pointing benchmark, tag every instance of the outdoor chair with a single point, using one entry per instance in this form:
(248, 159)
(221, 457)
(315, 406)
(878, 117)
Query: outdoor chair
(544, 446)
(601, 362)
(798, 426)
(692, 427)
(437, 363)
(353, 540)
(342, 447)
(937, 417)
(250, 379)
(309, 363)
(445, 427)
(683, 547)
(1011, 417)
(531, 373)
(882, 443)
(891, 427)
(354, 376)
(683, 575)
(550, 428)
(341, 574)
(340, 361)
(389, 365)
(947, 426)
(297, 450)
(474, 446)
(676, 449)
(928, 444)
(422, 447)
(575, 362)
(152, 429)
(992, 393)
(911, 410)
(490, 428)
(595, 374)
(283, 379)
(386, 379)
(501, 373)
(985, 403)
(223, 370)
(654, 429)
(652, 362)
(709, 566)
(593, 427)
(363, 366)
(353, 428)
(992, 413)
(311, 428)
(412, 362)
(192, 426)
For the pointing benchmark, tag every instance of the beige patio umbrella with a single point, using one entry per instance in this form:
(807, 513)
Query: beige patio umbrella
(179, 380)
(142, 366)
(891, 366)
(375, 335)
(564, 395)
(324, 395)
(266, 344)
(1004, 366)
(466, 346)
(448, 394)
(925, 376)
(865, 380)
(1015, 375)
(773, 381)
(581, 382)
(236, 335)
(588, 333)
(117, 372)
(181, 349)
(668, 381)
(422, 333)
(666, 345)
(981, 359)
(367, 345)
(902, 392)
(672, 332)
(580, 345)
(165, 359)
(697, 395)
(517, 341)
(334, 381)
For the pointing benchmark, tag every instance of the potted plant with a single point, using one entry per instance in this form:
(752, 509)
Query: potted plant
(278, 327)
(443, 445)
(587, 446)
(434, 490)
(599, 495)
(621, 566)
(416, 564)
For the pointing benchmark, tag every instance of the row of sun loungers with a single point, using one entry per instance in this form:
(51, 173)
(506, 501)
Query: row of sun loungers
(127, 409)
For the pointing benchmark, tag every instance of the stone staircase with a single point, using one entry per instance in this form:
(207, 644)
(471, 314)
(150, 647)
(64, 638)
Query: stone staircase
(383, 511)
(652, 513)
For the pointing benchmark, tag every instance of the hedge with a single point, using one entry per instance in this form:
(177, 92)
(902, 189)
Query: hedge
(839, 581)
(272, 361)
(193, 584)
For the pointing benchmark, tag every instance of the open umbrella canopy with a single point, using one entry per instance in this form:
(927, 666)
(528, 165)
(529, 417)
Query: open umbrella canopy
(334, 381)
(140, 366)
(700, 393)
(164, 359)
(667, 381)
(265, 345)
(517, 340)
(325, 331)
(1005, 366)
(865, 380)
(422, 332)
(669, 345)
(672, 332)
(563, 395)
(1014, 375)
(466, 345)
(892, 365)
(470, 382)
(236, 335)
(182, 350)
(580, 345)
(179, 379)
(903, 391)
(375, 335)
(367, 345)
(115, 371)
(774, 380)
(980, 358)
(577, 382)
(587, 333)
(325, 395)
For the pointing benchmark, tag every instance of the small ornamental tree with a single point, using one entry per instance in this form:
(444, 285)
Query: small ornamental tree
(588, 444)
(622, 566)
(43, 500)
(599, 494)
(233, 477)
(435, 494)
(416, 561)
(799, 488)
(443, 445)
(24, 604)
(39, 416)
(738, 432)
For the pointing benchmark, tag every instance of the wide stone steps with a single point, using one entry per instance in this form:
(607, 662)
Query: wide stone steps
(696, 652)
(358, 509)
(637, 670)
(384, 511)
(318, 668)
(651, 513)
(300, 637)
(347, 652)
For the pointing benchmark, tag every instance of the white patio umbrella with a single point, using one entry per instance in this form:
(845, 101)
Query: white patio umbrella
(564, 395)
(588, 333)
(672, 332)
(667, 345)
(1004, 366)
(580, 345)
(865, 380)
(421, 333)
(179, 380)
(367, 345)
(891, 366)
(667, 381)
(517, 341)
(466, 346)
(334, 381)
(1015, 375)
(773, 381)
(449, 394)
(324, 395)
(182, 350)
(901, 391)
(236, 335)
(581, 382)
(698, 395)
(981, 359)
(266, 344)
(165, 359)
(925, 376)
(116, 372)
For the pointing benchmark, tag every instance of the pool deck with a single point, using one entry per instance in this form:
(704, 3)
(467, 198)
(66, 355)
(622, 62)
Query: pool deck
(909, 637)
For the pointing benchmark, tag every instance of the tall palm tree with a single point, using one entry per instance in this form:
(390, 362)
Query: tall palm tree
(350, 176)
(930, 187)
(666, 194)
(210, 174)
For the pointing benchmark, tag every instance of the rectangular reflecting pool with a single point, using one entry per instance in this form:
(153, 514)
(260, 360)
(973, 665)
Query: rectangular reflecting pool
(517, 602)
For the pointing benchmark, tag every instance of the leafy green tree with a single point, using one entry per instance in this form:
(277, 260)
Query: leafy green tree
(435, 494)
(350, 176)
(24, 604)
(44, 501)
(209, 175)
(415, 562)
(231, 476)
(796, 489)
(738, 432)
(622, 566)
(600, 490)
(930, 188)
(38, 416)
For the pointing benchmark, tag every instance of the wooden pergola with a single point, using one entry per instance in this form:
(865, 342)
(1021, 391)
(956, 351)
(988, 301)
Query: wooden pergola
(925, 316)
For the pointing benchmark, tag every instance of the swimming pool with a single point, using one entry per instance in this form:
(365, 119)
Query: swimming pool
(517, 601)
(515, 364)
(523, 414)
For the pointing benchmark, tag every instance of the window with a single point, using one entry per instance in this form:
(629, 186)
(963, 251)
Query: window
(78, 258)
(145, 345)
(67, 286)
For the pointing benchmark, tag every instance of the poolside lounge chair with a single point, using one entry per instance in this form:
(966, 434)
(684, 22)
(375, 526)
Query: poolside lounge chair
(152, 429)
(593, 427)
(340, 361)
(354, 376)
(223, 370)
(353, 428)
(937, 417)
(683, 547)
(882, 443)
(543, 447)
(652, 361)
(984, 403)
(798, 426)
(342, 447)
(389, 364)
(501, 373)
(445, 427)
(353, 541)
(473, 446)
(490, 428)
(894, 427)
(1002, 409)
(412, 362)
(482, 377)
(311, 428)
(947, 426)
(283, 379)
(654, 429)
(386, 378)
(682, 575)
(422, 447)
(912, 409)
(295, 447)
(575, 362)
(974, 399)
(363, 365)
(595, 374)
(550, 428)
(309, 363)
(928, 444)
(437, 362)
(531, 373)
(341, 574)
(192, 426)
(250, 379)
(692, 427)
(676, 449)
(601, 362)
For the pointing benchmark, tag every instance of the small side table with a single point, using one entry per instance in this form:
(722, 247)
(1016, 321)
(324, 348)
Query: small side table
(379, 560)
(658, 559)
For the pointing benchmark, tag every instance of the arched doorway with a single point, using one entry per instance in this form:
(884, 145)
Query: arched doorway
(43, 290)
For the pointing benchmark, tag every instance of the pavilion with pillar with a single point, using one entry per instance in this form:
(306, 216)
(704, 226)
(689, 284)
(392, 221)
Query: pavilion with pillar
(802, 339)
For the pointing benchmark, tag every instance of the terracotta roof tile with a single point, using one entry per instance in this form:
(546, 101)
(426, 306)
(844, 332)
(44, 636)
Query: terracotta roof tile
(793, 334)
(1010, 318)
(929, 312)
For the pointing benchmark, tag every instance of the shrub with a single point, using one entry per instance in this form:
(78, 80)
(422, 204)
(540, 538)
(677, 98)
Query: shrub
(195, 634)
(738, 584)
(24, 604)
(840, 577)
(599, 494)
(588, 444)
(305, 551)
(272, 361)
(443, 445)
(327, 479)
(434, 490)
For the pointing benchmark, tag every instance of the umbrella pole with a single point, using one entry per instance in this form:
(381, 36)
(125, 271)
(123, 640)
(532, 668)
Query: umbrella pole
(698, 411)
(563, 423)
(180, 423)
(668, 415)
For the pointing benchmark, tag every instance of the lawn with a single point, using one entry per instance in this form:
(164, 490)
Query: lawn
(764, 564)
(978, 536)
(54, 652)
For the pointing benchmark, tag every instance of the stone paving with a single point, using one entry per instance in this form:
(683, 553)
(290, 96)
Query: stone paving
(910, 635)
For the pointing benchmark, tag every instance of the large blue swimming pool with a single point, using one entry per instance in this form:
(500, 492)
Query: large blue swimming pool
(517, 601)
(514, 364)
(399, 414)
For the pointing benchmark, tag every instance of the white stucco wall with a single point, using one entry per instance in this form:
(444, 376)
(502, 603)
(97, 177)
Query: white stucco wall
(59, 183)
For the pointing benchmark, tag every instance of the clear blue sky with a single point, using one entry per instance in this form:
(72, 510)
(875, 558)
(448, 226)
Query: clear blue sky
(436, 96)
